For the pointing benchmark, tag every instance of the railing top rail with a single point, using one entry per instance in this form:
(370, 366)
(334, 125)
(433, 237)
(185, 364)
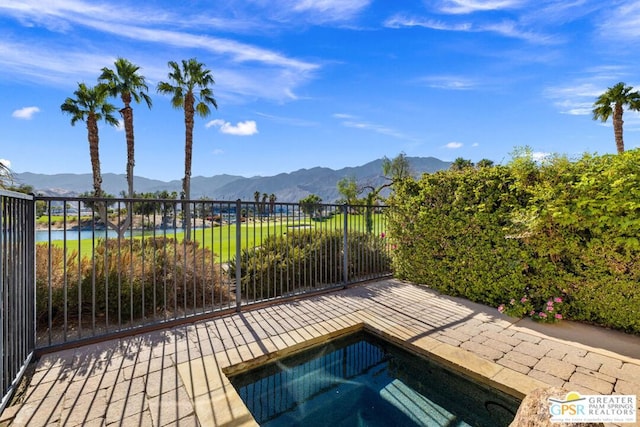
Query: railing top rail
(16, 195)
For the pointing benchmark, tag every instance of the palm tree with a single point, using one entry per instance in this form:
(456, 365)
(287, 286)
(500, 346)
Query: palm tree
(612, 103)
(90, 105)
(190, 91)
(5, 175)
(272, 203)
(128, 84)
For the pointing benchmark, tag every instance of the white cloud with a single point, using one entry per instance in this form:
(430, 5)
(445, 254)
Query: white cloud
(246, 128)
(329, 10)
(6, 163)
(621, 23)
(25, 113)
(505, 28)
(454, 145)
(217, 152)
(449, 82)
(469, 6)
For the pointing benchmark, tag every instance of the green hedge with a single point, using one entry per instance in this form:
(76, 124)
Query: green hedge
(308, 259)
(556, 229)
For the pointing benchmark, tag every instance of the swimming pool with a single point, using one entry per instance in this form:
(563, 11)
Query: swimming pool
(363, 380)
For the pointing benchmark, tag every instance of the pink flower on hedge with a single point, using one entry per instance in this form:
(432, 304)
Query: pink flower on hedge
(543, 315)
(382, 235)
(501, 308)
(558, 316)
(532, 312)
(550, 303)
(523, 299)
(512, 302)
(549, 308)
(557, 299)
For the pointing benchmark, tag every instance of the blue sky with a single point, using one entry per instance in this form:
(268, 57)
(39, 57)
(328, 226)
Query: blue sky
(304, 83)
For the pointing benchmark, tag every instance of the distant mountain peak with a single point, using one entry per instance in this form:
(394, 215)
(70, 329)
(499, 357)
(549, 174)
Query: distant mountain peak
(288, 187)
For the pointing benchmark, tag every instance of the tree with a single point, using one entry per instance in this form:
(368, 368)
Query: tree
(191, 92)
(129, 85)
(310, 204)
(6, 177)
(484, 163)
(460, 164)
(348, 188)
(90, 105)
(612, 103)
(396, 169)
(272, 203)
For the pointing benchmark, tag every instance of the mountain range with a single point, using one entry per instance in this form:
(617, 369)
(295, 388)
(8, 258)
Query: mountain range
(288, 187)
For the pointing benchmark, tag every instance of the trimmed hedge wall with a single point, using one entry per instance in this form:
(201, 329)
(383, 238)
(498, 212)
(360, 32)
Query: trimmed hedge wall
(556, 229)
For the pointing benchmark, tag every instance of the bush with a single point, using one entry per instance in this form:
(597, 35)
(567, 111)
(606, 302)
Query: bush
(308, 259)
(555, 229)
(127, 280)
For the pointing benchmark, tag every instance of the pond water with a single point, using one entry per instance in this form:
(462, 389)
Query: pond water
(46, 235)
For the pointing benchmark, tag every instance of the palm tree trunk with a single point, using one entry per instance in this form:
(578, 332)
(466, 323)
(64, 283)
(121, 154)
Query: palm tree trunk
(188, 153)
(617, 126)
(94, 154)
(127, 115)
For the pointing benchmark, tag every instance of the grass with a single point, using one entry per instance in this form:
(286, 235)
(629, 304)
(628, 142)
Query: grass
(222, 239)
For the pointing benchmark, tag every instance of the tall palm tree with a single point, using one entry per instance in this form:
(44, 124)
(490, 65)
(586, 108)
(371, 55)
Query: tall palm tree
(90, 105)
(5, 175)
(191, 92)
(129, 85)
(612, 103)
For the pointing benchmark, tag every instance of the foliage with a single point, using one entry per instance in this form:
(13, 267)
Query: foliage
(542, 229)
(308, 259)
(126, 280)
(310, 205)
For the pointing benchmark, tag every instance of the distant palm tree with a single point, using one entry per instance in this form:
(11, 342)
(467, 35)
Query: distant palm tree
(612, 103)
(128, 84)
(272, 203)
(90, 105)
(191, 83)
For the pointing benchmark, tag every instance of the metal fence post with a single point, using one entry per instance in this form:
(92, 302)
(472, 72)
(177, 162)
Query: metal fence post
(345, 245)
(238, 254)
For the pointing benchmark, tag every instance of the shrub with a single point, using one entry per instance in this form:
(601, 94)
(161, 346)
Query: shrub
(127, 280)
(556, 228)
(307, 259)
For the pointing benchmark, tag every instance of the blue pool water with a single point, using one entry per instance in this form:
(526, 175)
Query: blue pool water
(361, 380)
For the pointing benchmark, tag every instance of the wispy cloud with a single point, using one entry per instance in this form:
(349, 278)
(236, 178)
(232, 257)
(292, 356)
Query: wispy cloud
(577, 96)
(457, 7)
(61, 60)
(323, 11)
(506, 28)
(621, 22)
(454, 145)
(25, 113)
(351, 121)
(293, 121)
(246, 128)
(449, 82)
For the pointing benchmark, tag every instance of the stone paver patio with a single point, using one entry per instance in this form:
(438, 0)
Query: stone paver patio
(178, 376)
